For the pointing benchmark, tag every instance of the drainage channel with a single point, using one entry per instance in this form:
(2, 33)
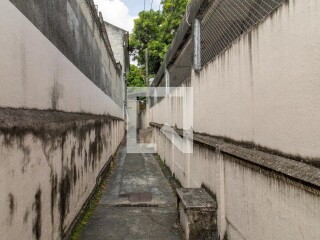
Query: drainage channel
(137, 199)
(136, 205)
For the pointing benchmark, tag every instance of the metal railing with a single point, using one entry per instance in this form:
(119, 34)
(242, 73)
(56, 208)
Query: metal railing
(224, 21)
(220, 23)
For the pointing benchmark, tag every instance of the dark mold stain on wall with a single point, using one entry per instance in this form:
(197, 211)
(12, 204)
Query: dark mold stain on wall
(74, 175)
(70, 175)
(11, 206)
(225, 237)
(11, 203)
(26, 217)
(85, 160)
(73, 165)
(208, 190)
(81, 135)
(37, 207)
(56, 94)
(79, 138)
(54, 192)
(64, 192)
(96, 147)
(26, 154)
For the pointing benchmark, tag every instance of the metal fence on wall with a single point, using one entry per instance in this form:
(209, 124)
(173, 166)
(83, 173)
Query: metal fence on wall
(221, 23)
(180, 71)
(225, 21)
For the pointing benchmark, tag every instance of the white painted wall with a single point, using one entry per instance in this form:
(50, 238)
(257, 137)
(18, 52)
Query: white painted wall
(260, 207)
(143, 117)
(172, 108)
(264, 89)
(32, 68)
(118, 41)
(251, 205)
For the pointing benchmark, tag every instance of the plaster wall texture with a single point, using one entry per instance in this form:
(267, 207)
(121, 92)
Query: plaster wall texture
(173, 107)
(143, 118)
(75, 29)
(36, 74)
(45, 179)
(251, 204)
(264, 89)
(267, 208)
(119, 43)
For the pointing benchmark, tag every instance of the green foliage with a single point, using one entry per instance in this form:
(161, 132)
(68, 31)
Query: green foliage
(136, 77)
(173, 12)
(155, 30)
(145, 34)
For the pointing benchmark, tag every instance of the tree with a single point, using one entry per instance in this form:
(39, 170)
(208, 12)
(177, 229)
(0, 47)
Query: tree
(173, 12)
(145, 34)
(155, 30)
(136, 77)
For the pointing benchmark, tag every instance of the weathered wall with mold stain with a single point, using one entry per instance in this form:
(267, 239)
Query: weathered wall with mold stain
(48, 67)
(253, 203)
(261, 93)
(54, 60)
(265, 87)
(49, 167)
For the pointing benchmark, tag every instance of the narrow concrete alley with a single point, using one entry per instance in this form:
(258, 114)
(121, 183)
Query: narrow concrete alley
(93, 93)
(138, 202)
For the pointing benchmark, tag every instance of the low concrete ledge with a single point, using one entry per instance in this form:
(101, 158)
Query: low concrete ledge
(145, 135)
(32, 120)
(198, 213)
(304, 175)
(52, 160)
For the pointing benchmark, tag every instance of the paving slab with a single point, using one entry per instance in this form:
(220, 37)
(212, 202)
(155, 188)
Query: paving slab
(138, 203)
(131, 223)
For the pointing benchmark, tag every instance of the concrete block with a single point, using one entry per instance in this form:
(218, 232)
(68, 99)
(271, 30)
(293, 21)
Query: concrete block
(198, 213)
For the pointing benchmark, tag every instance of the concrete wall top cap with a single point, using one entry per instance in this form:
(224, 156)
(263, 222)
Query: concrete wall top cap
(196, 198)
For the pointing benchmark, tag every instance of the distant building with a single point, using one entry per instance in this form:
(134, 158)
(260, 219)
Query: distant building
(119, 40)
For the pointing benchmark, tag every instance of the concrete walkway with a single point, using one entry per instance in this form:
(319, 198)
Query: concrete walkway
(138, 203)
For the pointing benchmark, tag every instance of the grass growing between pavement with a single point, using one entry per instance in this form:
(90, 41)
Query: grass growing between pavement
(174, 182)
(91, 206)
